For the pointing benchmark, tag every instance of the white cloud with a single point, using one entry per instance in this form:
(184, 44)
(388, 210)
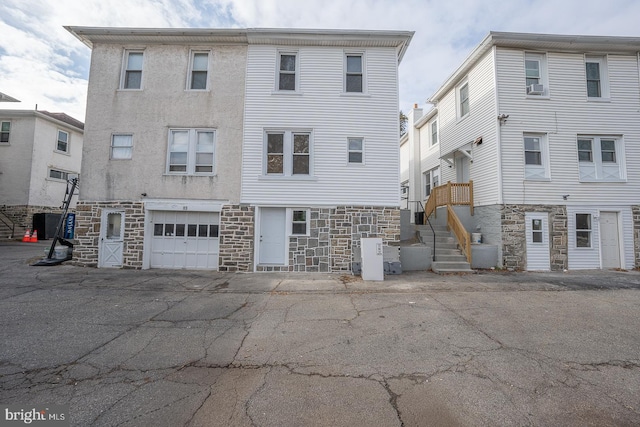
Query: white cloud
(42, 63)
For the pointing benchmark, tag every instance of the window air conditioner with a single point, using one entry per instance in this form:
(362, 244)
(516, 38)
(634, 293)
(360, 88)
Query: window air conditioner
(535, 89)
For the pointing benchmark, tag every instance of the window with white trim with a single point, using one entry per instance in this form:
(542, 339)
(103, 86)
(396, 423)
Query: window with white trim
(583, 230)
(596, 75)
(354, 73)
(132, 70)
(199, 70)
(59, 175)
(191, 152)
(5, 130)
(300, 222)
(287, 71)
(536, 157)
(600, 158)
(121, 146)
(434, 132)
(536, 231)
(287, 153)
(431, 180)
(462, 93)
(535, 70)
(356, 150)
(404, 192)
(62, 143)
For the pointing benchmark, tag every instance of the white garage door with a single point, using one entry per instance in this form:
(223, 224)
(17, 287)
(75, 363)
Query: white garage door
(185, 240)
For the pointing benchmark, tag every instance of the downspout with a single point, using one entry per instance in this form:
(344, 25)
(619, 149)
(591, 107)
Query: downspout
(499, 127)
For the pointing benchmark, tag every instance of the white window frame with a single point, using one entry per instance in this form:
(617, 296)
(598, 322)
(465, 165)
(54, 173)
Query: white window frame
(8, 132)
(296, 71)
(192, 147)
(125, 69)
(543, 78)
(64, 174)
(67, 142)
(536, 172)
(604, 77)
(596, 169)
(287, 152)
(432, 179)
(121, 148)
(434, 133)
(192, 56)
(355, 151)
(589, 231)
(460, 100)
(363, 72)
(306, 222)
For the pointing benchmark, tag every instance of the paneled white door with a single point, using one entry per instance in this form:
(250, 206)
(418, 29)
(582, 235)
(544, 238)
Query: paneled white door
(537, 231)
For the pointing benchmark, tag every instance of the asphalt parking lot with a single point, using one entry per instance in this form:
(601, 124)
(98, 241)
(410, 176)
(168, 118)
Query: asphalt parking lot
(185, 348)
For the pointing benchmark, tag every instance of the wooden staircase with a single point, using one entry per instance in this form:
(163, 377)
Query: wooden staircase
(448, 257)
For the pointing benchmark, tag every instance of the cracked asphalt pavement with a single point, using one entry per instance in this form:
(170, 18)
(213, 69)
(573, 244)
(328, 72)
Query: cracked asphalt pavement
(187, 348)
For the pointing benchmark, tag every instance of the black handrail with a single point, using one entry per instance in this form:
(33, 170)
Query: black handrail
(433, 255)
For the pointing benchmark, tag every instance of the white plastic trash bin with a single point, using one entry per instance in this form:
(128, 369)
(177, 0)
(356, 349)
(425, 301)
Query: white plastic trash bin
(60, 252)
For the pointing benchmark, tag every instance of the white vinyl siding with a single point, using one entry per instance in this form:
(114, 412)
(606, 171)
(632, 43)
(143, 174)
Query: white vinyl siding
(334, 116)
(564, 117)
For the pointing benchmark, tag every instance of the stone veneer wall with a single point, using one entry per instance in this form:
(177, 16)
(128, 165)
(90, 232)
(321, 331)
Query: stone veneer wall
(332, 234)
(22, 215)
(236, 238)
(88, 217)
(514, 248)
(635, 210)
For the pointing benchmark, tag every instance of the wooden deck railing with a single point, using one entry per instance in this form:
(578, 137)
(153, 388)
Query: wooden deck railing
(458, 230)
(448, 195)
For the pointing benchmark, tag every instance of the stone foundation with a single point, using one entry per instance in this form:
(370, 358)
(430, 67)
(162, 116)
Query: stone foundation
(635, 211)
(236, 238)
(22, 215)
(514, 249)
(88, 218)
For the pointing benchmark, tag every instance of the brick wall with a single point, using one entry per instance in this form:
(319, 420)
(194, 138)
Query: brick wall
(236, 238)
(514, 248)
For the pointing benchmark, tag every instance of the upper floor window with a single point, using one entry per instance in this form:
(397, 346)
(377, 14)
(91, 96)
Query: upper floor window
(535, 70)
(596, 77)
(199, 68)
(191, 151)
(600, 158)
(121, 146)
(463, 100)
(132, 70)
(536, 157)
(288, 153)
(5, 130)
(434, 132)
(287, 72)
(62, 144)
(356, 150)
(354, 73)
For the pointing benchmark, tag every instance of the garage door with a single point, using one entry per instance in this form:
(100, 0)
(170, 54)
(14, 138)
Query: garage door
(185, 240)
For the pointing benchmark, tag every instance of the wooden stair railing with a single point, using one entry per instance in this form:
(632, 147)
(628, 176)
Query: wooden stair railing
(462, 236)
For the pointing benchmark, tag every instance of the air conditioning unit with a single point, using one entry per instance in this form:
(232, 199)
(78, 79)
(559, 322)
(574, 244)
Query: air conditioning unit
(535, 89)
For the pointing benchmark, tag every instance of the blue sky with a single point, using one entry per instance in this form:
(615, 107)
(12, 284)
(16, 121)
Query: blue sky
(41, 63)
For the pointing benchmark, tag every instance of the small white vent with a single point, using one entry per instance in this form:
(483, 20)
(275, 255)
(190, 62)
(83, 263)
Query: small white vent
(535, 89)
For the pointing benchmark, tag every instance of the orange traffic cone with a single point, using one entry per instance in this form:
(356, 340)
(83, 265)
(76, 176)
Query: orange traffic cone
(34, 237)
(26, 237)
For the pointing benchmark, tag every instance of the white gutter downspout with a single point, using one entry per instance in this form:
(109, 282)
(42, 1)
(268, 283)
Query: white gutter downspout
(499, 129)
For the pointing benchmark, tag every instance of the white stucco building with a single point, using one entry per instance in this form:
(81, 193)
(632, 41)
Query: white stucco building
(238, 149)
(547, 127)
(39, 150)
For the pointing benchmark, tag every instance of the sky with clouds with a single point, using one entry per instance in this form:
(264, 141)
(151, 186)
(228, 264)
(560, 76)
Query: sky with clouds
(41, 63)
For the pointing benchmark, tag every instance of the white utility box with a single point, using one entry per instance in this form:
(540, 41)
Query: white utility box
(372, 258)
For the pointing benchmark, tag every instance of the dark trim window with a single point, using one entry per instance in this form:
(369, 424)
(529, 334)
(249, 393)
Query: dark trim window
(5, 130)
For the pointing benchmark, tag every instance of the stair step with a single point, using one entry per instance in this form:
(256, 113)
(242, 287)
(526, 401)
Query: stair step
(451, 258)
(451, 267)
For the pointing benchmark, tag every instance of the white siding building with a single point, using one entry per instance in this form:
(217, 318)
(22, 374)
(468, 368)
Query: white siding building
(39, 150)
(548, 129)
(239, 149)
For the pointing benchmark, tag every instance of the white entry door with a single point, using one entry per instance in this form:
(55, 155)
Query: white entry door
(272, 236)
(462, 168)
(537, 231)
(111, 239)
(609, 240)
(185, 240)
